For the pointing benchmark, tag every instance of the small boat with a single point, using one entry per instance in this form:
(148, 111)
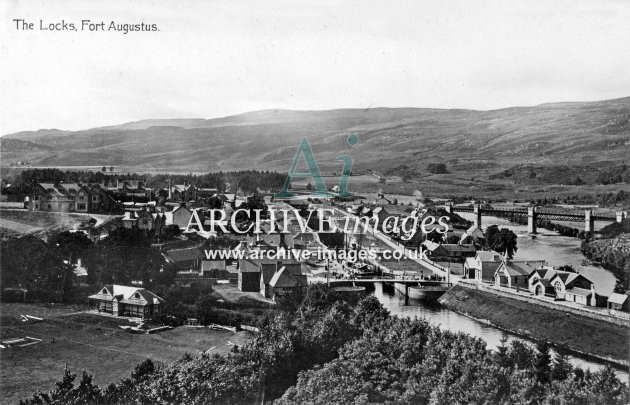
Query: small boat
(363, 270)
(349, 289)
(317, 263)
(426, 292)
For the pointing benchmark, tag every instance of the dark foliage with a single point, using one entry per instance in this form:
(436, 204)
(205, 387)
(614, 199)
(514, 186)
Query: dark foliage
(327, 352)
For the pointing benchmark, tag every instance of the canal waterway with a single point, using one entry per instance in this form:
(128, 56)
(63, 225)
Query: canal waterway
(447, 319)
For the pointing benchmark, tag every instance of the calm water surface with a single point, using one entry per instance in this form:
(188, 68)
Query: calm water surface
(396, 303)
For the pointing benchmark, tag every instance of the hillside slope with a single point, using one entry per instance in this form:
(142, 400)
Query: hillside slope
(560, 133)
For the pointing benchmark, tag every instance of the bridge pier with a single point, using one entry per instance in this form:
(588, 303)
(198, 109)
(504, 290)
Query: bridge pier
(532, 216)
(589, 221)
(449, 207)
(621, 216)
(401, 287)
(477, 212)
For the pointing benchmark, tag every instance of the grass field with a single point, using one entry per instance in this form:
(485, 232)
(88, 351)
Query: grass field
(604, 339)
(14, 223)
(89, 342)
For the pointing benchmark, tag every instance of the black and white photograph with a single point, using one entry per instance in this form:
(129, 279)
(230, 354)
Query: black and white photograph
(315, 202)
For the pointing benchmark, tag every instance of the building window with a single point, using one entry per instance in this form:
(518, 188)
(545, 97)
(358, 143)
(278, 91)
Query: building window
(94, 198)
(81, 206)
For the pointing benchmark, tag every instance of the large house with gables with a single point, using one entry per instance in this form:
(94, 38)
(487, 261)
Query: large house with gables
(483, 266)
(120, 300)
(70, 197)
(515, 274)
(574, 287)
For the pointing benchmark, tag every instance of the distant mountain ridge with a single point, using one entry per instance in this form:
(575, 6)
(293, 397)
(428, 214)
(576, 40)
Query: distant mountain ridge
(557, 133)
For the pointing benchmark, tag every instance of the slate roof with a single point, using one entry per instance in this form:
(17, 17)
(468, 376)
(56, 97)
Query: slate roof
(523, 268)
(489, 256)
(248, 266)
(283, 278)
(616, 298)
(267, 273)
(490, 267)
(127, 295)
(544, 282)
(180, 255)
(565, 276)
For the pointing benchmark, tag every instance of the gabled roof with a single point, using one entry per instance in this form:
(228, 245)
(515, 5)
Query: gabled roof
(523, 268)
(490, 267)
(544, 273)
(183, 208)
(181, 187)
(616, 298)
(267, 273)
(180, 255)
(476, 231)
(127, 294)
(488, 256)
(543, 281)
(283, 278)
(565, 276)
(248, 266)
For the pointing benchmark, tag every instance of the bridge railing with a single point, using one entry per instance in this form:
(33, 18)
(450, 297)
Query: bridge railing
(540, 213)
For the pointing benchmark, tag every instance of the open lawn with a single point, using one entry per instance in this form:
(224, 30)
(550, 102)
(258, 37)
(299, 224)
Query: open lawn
(37, 222)
(231, 293)
(92, 343)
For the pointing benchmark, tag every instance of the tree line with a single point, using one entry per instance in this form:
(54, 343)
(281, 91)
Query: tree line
(328, 351)
(248, 181)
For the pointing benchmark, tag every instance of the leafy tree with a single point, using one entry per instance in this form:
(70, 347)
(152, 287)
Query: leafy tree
(542, 362)
(328, 352)
(143, 370)
(71, 244)
(561, 369)
(501, 240)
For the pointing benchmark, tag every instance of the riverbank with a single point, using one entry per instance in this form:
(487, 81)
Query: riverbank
(602, 340)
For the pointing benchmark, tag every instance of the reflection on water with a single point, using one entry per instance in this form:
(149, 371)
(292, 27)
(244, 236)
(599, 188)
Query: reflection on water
(396, 303)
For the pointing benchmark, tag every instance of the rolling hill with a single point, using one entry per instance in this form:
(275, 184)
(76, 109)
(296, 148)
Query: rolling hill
(594, 133)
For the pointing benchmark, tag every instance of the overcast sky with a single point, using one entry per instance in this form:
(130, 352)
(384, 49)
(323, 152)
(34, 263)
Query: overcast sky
(217, 58)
